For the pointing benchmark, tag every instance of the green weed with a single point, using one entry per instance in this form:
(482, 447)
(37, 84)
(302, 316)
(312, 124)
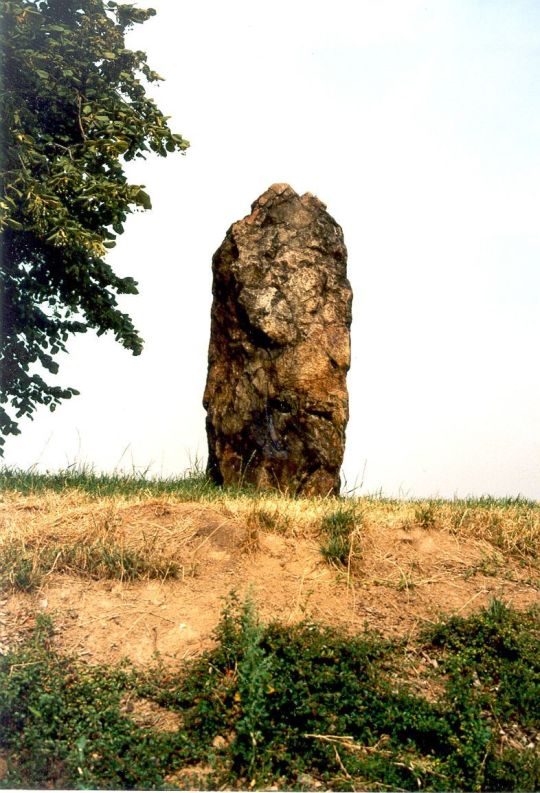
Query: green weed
(498, 652)
(254, 685)
(340, 529)
(62, 726)
(425, 516)
(488, 565)
(19, 568)
(325, 702)
(270, 520)
(295, 706)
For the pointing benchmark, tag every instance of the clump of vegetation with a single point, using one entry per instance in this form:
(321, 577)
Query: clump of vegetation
(294, 706)
(62, 725)
(425, 516)
(511, 524)
(341, 530)
(262, 519)
(269, 519)
(498, 652)
(23, 565)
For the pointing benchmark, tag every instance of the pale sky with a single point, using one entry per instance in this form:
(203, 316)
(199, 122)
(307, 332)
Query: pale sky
(418, 124)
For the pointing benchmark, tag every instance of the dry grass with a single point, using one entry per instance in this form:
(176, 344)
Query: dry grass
(75, 515)
(133, 538)
(175, 560)
(513, 527)
(137, 536)
(141, 536)
(279, 513)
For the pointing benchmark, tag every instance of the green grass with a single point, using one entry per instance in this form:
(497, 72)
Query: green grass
(193, 485)
(291, 706)
(339, 527)
(378, 497)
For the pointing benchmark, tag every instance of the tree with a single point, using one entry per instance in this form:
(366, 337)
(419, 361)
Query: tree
(73, 109)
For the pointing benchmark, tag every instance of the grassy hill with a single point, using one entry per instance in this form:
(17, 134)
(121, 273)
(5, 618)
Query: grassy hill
(171, 634)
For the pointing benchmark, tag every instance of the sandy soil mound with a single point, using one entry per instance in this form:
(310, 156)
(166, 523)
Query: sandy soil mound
(403, 575)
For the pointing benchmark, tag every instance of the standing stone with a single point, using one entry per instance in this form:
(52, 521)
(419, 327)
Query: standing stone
(276, 396)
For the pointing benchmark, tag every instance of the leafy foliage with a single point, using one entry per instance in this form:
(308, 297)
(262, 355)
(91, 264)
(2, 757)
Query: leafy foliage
(73, 108)
(325, 708)
(299, 707)
(62, 723)
(494, 653)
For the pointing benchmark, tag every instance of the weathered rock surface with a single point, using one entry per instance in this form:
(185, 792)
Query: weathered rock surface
(276, 396)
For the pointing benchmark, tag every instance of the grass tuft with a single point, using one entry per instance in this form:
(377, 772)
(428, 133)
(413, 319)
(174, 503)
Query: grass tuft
(24, 567)
(341, 529)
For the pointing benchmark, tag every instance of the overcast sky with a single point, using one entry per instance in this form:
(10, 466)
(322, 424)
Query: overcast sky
(418, 124)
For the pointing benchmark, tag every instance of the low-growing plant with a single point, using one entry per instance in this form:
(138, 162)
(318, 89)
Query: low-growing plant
(61, 724)
(270, 519)
(487, 565)
(20, 567)
(425, 516)
(295, 706)
(341, 530)
(500, 649)
(326, 696)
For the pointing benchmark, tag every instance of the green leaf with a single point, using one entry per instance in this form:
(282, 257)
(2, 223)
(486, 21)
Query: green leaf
(144, 199)
(64, 183)
(13, 224)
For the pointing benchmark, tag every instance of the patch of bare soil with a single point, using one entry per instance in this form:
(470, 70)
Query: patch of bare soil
(402, 576)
